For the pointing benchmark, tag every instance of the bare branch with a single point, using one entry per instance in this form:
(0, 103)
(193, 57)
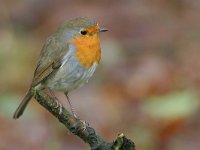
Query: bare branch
(80, 129)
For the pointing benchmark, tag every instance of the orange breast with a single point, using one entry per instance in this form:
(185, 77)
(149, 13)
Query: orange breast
(88, 49)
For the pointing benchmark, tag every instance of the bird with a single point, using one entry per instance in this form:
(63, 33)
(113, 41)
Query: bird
(67, 60)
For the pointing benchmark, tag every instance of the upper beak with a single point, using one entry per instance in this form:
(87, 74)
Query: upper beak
(103, 29)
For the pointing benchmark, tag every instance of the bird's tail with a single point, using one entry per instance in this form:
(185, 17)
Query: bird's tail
(23, 105)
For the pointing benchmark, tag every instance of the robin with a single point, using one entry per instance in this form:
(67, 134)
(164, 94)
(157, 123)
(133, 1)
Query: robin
(67, 60)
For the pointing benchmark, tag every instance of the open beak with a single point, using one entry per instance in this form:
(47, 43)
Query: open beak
(103, 29)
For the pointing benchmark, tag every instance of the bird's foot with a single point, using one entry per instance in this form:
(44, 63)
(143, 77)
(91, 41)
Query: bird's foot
(75, 115)
(84, 125)
(58, 106)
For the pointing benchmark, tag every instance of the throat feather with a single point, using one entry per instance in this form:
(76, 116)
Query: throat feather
(88, 50)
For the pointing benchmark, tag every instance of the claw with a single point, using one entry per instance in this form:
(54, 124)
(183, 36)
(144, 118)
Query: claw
(84, 125)
(58, 106)
(75, 116)
(60, 109)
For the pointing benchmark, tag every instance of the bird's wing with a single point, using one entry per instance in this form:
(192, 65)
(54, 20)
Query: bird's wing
(50, 59)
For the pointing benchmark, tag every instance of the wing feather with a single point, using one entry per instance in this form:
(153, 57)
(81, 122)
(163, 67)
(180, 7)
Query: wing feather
(51, 55)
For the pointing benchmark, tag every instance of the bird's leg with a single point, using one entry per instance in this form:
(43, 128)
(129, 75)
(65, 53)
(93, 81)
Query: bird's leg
(71, 107)
(58, 104)
(85, 124)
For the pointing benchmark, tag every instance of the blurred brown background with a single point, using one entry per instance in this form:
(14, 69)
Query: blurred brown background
(147, 85)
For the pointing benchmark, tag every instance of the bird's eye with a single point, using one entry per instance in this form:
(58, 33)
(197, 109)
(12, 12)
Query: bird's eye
(84, 32)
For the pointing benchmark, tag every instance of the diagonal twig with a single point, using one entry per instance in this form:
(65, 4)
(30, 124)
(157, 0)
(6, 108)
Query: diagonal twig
(80, 129)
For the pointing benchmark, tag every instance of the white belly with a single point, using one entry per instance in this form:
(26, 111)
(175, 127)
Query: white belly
(70, 75)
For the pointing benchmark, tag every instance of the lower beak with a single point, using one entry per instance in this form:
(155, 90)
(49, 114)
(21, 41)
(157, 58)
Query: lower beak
(103, 29)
